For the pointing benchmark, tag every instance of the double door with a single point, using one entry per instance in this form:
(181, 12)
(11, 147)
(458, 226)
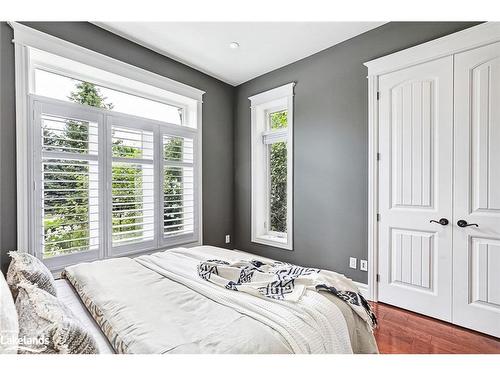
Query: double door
(439, 189)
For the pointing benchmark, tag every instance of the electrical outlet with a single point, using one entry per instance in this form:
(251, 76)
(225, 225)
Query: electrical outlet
(363, 265)
(228, 238)
(353, 262)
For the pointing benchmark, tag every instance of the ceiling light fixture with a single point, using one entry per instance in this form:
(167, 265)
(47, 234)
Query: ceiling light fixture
(234, 45)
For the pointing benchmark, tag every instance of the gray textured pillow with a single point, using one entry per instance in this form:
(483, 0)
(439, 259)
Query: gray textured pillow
(25, 267)
(9, 328)
(47, 326)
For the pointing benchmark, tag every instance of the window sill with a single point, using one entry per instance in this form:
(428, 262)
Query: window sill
(58, 264)
(275, 241)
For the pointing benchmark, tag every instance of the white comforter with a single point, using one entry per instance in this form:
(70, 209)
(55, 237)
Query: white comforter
(158, 304)
(313, 325)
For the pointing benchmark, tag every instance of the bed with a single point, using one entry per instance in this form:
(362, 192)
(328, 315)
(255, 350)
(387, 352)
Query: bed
(158, 304)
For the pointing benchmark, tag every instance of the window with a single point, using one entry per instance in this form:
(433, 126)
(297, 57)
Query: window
(113, 163)
(272, 150)
(57, 86)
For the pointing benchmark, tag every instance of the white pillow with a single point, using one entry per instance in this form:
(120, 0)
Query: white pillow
(9, 328)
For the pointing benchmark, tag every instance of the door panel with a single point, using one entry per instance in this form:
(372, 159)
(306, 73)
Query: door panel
(476, 254)
(415, 174)
(412, 258)
(411, 144)
(485, 281)
(485, 117)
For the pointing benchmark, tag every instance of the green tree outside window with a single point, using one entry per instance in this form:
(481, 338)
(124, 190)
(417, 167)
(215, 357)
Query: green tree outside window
(278, 176)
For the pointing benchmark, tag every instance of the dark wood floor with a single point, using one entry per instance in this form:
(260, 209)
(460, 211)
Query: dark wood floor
(405, 332)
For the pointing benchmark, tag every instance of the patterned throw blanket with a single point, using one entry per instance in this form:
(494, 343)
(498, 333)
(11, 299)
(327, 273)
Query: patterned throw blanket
(284, 281)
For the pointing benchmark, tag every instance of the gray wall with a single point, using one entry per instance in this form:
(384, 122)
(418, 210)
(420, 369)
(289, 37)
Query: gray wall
(7, 146)
(330, 139)
(330, 147)
(217, 125)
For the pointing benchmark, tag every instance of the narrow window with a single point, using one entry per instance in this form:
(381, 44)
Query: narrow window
(272, 150)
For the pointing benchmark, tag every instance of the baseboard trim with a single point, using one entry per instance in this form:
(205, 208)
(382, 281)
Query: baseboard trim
(363, 288)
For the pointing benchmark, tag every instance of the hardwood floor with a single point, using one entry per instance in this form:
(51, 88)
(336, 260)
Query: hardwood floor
(405, 332)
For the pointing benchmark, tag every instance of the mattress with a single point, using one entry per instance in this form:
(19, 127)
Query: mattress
(69, 297)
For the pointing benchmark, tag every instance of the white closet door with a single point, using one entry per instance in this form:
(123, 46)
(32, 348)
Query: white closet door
(476, 253)
(415, 174)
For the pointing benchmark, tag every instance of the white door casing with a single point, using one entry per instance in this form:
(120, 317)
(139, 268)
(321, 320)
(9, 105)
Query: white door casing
(415, 187)
(476, 258)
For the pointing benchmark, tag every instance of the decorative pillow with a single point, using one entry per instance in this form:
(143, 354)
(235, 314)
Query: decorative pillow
(25, 267)
(47, 326)
(9, 328)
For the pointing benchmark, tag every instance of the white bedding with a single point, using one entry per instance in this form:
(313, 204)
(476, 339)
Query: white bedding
(313, 325)
(68, 296)
(158, 307)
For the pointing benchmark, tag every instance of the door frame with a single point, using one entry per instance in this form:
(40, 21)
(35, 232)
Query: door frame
(474, 37)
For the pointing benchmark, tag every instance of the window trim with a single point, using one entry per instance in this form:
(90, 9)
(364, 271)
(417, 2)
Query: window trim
(26, 37)
(280, 98)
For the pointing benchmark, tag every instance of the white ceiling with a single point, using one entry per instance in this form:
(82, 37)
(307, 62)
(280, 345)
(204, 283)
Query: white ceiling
(264, 46)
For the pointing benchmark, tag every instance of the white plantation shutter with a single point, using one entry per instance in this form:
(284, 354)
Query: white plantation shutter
(108, 184)
(178, 186)
(70, 206)
(132, 186)
(67, 183)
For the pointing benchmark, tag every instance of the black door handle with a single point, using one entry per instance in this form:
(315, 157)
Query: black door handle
(463, 224)
(443, 221)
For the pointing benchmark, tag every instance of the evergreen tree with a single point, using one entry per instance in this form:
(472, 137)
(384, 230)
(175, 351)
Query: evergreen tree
(87, 93)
